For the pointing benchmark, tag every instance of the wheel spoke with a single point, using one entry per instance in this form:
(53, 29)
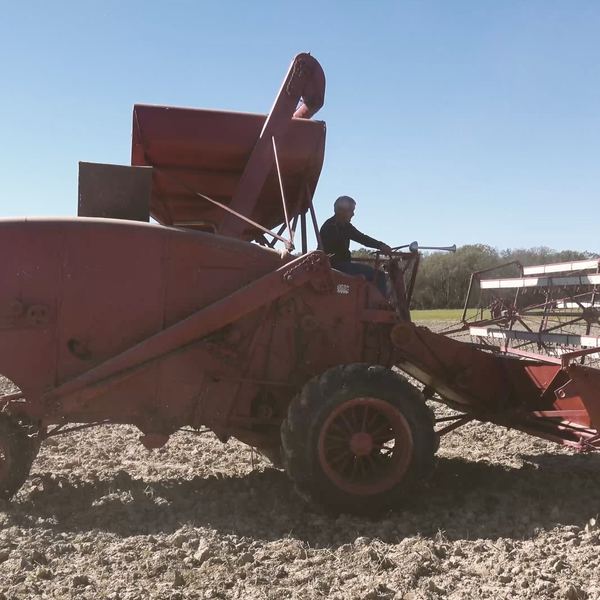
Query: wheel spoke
(345, 464)
(344, 418)
(337, 438)
(335, 446)
(381, 430)
(337, 458)
(362, 466)
(373, 419)
(334, 425)
(364, 421)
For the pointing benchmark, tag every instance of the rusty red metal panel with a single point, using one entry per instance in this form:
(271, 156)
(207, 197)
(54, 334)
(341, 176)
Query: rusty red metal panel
(219, 154)
(102, 286)
(30, 289)
(585, 385)
(196, 326)
(112, 292)
(208, 151)
(201, 272)
(114, 191)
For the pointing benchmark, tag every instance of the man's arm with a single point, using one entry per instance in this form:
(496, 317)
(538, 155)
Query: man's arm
(365, 240)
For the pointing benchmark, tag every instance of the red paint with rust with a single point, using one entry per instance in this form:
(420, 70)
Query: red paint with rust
(165, 327)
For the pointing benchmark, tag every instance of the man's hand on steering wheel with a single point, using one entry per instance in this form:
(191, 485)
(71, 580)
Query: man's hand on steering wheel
(385, 249)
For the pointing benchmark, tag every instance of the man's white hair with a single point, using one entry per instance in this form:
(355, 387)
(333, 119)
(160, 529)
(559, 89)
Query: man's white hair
(344, 202)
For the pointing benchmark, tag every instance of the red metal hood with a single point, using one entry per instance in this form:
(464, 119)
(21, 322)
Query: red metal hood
(207, 151)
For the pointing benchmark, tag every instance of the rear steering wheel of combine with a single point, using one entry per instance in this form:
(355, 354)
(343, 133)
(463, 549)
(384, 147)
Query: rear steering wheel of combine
(17, 453)
(357, 439)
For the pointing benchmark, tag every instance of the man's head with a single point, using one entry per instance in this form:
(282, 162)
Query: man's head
(344, 209)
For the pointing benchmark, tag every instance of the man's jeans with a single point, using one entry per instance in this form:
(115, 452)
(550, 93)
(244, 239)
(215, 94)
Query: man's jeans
(361, 269)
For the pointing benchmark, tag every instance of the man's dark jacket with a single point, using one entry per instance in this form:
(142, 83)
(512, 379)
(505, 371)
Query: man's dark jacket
(336, 238)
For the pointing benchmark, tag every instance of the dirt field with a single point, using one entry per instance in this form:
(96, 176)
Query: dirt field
(505, 516)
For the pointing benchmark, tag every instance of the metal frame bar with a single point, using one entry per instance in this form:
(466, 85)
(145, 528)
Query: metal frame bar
(475, 276)
(272, 243)
(578, 265)
(289, 245)
(314, 219)
(533, 355)
(541, 282)
(193, 329)
(304, 232)
(60, 431)
(220, 205)
(568, 356)
(413, 278)
(532, 336)
(460, 421)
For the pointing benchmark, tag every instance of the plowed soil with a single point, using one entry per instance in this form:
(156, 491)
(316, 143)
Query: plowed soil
(504, 516)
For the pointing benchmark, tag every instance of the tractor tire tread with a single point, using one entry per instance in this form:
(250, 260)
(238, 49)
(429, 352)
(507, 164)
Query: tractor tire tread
(306, 411)
(22, 450)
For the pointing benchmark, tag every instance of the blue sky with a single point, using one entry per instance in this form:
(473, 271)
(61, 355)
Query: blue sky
(449, 121)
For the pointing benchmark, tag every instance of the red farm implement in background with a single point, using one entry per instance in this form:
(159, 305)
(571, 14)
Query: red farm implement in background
(205, 320)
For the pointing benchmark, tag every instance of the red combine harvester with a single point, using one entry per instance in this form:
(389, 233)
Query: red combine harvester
(198, 322)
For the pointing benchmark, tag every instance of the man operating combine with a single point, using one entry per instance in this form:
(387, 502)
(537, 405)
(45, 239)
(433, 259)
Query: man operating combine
(336, 234)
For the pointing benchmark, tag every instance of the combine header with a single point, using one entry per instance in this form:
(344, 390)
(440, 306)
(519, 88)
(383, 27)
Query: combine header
(552, 309)
(205, 321)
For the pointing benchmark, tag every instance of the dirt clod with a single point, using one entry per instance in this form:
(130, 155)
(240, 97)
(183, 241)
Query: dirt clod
(80, 580)
(178, 580)
(574, 593)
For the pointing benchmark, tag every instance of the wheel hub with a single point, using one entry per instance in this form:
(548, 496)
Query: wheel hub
(361, 444)
(365, 446)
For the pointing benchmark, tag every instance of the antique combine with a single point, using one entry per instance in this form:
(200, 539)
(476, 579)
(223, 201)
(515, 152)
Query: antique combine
(199, 321)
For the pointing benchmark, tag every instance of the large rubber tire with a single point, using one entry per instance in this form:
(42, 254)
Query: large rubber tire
(17, 453)
(337, 436)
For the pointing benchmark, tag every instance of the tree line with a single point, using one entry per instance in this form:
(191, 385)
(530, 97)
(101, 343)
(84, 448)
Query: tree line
(443, 278)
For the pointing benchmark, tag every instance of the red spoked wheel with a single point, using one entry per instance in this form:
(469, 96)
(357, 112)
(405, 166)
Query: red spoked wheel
(365, 446)
(357, 439)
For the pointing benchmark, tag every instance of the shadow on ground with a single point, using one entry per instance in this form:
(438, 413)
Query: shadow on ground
(465, 500)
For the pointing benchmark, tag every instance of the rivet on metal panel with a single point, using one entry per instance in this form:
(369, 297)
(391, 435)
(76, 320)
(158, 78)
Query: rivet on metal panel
(308, 323)
(38, 315)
